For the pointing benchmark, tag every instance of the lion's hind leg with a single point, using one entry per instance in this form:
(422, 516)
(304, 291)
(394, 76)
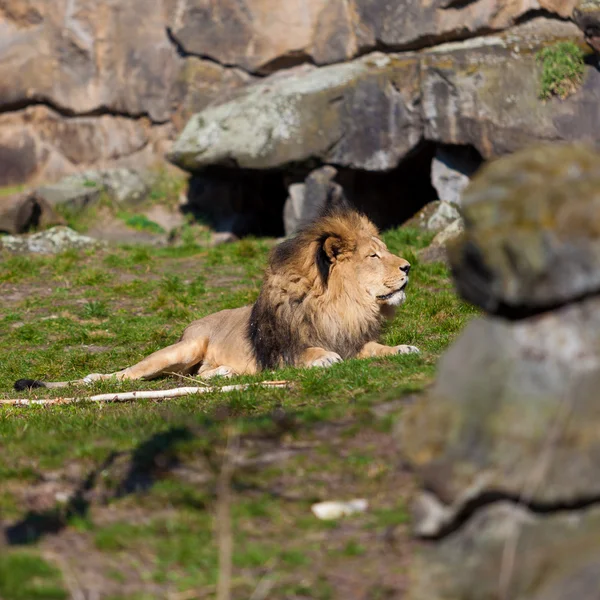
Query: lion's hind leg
(179, 358)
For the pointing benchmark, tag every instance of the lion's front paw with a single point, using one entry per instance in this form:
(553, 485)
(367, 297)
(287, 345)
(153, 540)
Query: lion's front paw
(222, 371)
(94, 377)
(326, 360)
(402, 349)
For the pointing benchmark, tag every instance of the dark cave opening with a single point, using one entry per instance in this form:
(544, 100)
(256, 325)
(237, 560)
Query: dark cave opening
(390, 198)
(241, 201)
(251, 202)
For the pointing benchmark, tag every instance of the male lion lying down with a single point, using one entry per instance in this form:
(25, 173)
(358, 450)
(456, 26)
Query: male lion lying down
(324, 297)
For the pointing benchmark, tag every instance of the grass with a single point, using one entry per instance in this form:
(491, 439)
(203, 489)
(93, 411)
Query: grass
(562, 69)
(9, 190)
(139, 222)
(138, 481)
(28, 577)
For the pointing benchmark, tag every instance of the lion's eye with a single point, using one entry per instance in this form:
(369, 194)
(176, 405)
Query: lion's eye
(373, 255)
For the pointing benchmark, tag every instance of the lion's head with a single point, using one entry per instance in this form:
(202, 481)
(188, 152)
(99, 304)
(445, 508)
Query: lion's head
(327, 286)
(352, 255)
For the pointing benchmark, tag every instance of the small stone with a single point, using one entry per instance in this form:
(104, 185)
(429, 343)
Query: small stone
(331, 510)
(436, 251)
(444, 216)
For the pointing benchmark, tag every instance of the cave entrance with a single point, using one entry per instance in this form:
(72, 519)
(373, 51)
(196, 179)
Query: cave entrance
(252, 202)
(430, 172)
(241, 201)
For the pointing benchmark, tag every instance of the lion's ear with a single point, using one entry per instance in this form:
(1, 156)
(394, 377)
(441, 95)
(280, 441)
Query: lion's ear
(332, 247)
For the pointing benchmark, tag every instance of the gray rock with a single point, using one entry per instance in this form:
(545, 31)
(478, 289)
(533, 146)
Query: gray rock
(444, 215)
(73, 194)
(81, 190)
(124, 186)
(507, 551)
(362, 114)
(306, 200)
(451, 171)
(513, 411)
(532, 236)
(50, 241)
(436, 251)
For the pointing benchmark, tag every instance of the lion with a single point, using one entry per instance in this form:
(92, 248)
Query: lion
(325, 295)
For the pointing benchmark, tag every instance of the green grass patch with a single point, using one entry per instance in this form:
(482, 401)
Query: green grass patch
(562, 69)
(139, 222)
(153, 502)
(28, 577)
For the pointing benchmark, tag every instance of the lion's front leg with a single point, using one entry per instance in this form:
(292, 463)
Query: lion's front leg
(318, 357)
(372, 349)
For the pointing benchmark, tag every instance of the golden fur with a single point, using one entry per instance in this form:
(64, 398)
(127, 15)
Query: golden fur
(324, 296)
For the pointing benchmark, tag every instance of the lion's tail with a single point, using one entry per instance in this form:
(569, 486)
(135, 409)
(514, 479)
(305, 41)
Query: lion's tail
(27, 384)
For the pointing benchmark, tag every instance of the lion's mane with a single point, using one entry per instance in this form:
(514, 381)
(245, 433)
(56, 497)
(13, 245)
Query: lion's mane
(301, 305)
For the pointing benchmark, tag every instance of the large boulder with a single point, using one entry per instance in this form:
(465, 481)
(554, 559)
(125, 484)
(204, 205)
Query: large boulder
(461, 103)
(501, 390)
(80, 57)
(507, 550)
(533, 235)
(362, 114)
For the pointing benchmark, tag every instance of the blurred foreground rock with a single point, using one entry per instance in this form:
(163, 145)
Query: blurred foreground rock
(532, 240)
(506, 442)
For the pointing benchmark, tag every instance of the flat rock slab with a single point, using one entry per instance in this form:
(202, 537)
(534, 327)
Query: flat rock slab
(370, 113)
(312, 113)
(262, 35)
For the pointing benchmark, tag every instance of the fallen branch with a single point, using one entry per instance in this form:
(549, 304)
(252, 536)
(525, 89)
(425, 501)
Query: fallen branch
(143, 395)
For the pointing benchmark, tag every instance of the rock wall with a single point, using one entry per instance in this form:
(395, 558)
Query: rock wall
(85, 83)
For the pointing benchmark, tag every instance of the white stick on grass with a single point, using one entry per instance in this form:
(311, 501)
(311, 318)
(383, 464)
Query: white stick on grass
(143, 395)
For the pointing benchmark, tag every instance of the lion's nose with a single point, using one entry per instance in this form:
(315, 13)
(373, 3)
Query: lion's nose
(405, 268)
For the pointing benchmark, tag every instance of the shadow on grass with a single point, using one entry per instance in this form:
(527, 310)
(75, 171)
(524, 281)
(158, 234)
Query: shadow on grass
(149, 462)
